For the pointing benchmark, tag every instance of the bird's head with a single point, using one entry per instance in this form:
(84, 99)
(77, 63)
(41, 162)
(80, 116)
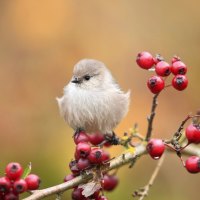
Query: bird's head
(90, 74)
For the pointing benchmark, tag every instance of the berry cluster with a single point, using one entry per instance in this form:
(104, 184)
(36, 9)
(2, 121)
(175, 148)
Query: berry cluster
(163, 69)
(88, 155)
(156, 147)
(13, 184)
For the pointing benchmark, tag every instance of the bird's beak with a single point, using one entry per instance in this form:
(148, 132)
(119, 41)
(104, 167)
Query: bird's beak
(76, 80)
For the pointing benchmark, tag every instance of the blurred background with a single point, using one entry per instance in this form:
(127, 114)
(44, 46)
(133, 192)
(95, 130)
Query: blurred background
(40, 41)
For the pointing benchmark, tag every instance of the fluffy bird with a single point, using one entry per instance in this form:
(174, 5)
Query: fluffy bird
(92, 100)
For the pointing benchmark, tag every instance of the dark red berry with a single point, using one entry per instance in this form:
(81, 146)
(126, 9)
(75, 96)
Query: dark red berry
(180, 82)
(155, 148)
(81, 137)
(96, 138)
(145, 60)
(77, 194)
(83, 149)
(156, 84)
(33, 182)
(5, 185)
(193, 133)
(97, 156)
(11, 196)
(178, 67)
(192, 164)
(13, 171)
(20, 186)
(69, 177)
(163, 68)
(74, 168)
(83, 163)
(110, 182)
(175, 59)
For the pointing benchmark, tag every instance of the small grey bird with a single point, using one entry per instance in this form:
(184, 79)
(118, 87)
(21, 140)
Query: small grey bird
(92, 100)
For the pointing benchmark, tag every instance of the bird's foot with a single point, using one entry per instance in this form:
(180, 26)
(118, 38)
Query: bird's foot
(112, 139)
(77, 132)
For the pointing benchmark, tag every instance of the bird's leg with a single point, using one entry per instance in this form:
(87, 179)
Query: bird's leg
(112, 139)
(77, 131)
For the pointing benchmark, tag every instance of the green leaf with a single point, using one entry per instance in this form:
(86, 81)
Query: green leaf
(27, 171)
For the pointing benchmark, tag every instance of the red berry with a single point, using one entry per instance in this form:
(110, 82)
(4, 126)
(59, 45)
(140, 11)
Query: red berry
(11, 196)
(175, 59)
(77, 194)
(192, 164)
(74, 168)
(96, 138)
(13, 171)
(155, 148)
(156, 84)
(5, 185)
(179, 82)
(193, 133)
(81, 137)
(97, 156)
(178, 67)
(163, 68)
(83, 149)
(145, 60)
(69, 177)
(109, 182)
(20, 186)
(33, 182)
(83, 163)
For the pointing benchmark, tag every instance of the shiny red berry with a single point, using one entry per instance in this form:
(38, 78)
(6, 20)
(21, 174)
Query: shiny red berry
(180, 82)
(175, 59)
(69, 177)
(163, 68)
(155, 148)
(5, 185)
(33, 182)
(13, 171)
(155, 84)
(97, 156)
(83, 149)
(74, 168)
(192, 164)
(145, 60)
(11, 196)
(83, 163)
(81, 137)
(193, 133)
(77, 194)
(110, 182)
(20, 186)
(96, 138)
(178, 67)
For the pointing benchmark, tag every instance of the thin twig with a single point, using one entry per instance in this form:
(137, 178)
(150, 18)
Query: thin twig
(143, 192)
(115, 163)
(151, 117)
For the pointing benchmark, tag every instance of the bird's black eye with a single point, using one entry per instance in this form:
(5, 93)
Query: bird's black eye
(87, 77)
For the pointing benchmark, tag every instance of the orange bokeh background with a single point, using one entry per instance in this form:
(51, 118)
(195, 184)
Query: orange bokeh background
(40, 41)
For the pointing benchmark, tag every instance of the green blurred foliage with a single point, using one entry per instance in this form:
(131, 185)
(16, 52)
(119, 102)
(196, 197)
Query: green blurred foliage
(40, 43)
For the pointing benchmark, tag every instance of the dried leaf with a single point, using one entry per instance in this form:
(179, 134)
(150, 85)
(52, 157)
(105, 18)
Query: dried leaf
(90, 188)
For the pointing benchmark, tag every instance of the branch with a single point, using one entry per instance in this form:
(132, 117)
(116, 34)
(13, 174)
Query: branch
(115, 163)
(151, 117)
(143, 192)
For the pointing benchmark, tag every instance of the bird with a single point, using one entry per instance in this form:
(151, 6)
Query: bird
(93, 101)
